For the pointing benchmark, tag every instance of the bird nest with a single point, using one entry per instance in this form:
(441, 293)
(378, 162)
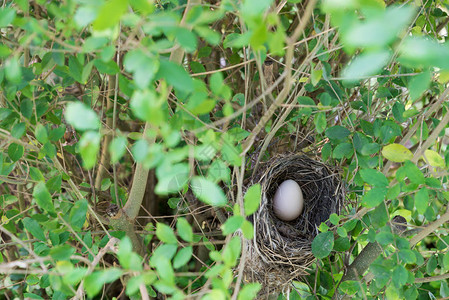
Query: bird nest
(281, 251)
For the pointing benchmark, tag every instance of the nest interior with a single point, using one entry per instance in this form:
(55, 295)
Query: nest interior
(281, 251)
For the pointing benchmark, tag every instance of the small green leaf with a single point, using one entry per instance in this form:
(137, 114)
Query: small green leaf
(15, 151)
(419, 84)
(249, 291)
(165, 270)
(81, 116)
(320, 122)
(110, 67)
(337, 132)
(396, 153)
(165, 234)
(434, 159)
(186, 38)
(232, 224)
(117, 148)
(366, 64)
(374, 177)
(384, 238)
(146, 105)
(43, 198)
(77, 215)
(62, 252)
(208, 191)
(343, 150)
(142, 66)
(182, 257)
(89, 146)
(350, 287)
(127, 258)
(446, 261)
(184, 230)
(422, 200)
(407, 256)
(41, 133)
(34, 228)
(110, 14)
(7, 16)
(13, 71)
(400, 276)
(94, 282)
(232, 251)
(322, 244)
(251, 200)
(374, 197)
(176, 76)
(18, 130)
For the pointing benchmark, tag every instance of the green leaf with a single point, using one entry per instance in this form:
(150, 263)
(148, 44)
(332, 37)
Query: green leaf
(249, 291)
(110, 14)
(94, 282)
(349, 287)
(322, 244)
(337, 132)
(146, 105)
(232, 251)
(13, 72)
(343, 150)
(41, 133)
(127, 258)
(34, 228)
(232, 224)
(165, 270)
(407, 256)
(186, 38)
(176, 76)
(7, 16)
(251, 200)
(62, 252)
(446, 261)
(142, 66)
(400, 276)
(422, 200)
(384, 238)
(396, 153)
(81, 116)
(211, 36)
(43, 198)
(374, 177)
(15, 151)
(374, 197)
(380, 29)
(54, 184)
(89, 146)
(117, 148)
(77, 215)
(434, 159)
(110, 67)
(422, 52)
(208, 191)
(419, 84)
(252, 8)
(182, 257)
(184, 230)
(18, 130)
(165, 234)
(365, 65)
(413, 173)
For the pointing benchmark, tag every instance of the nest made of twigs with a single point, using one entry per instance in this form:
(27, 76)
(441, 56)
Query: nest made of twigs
(281, 251)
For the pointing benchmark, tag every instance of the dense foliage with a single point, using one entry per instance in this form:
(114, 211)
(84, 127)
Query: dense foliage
(129, 130)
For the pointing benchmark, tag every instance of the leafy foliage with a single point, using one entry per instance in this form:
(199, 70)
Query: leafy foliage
(117, 116)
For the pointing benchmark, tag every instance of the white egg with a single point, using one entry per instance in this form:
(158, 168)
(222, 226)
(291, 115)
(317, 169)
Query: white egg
(288, 201)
